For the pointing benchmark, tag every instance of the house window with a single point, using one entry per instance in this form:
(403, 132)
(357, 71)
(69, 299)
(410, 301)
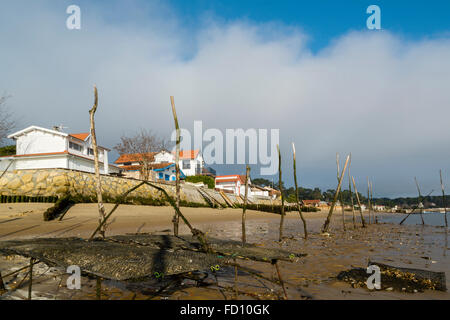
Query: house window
(127, 164)
(75, 146)
(186, 164)
(161, 175)
(90, 151)
(166, 177)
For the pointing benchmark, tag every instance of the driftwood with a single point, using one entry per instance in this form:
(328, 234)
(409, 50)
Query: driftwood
(247, 173)
(139, 256)
(359, 204)
(340, 194)
(443, 199)
(282, 196)
(420, 201)
(98, 182)
(176, 217)
(296, 194)
(351, 195)
(326, 225)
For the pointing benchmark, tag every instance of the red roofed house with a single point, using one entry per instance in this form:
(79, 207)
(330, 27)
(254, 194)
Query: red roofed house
(41, 148)
(191, 163)
(234, 183)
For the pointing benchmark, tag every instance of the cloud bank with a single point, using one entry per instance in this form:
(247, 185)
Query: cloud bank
(374, 94)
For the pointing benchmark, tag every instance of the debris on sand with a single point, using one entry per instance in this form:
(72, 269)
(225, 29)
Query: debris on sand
(138, 256)
(396, 278)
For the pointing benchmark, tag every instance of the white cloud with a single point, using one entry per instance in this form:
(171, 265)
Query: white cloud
(372, 93)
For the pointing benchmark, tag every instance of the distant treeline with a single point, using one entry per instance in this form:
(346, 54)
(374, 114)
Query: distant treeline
(318, 194)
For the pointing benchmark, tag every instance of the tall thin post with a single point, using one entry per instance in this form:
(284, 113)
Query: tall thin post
(368, 199)
(443, 199)
(359, 203)
(351, 195)
(282, 196)
(31, 278)
(326, 225)
(420, 200)
(340, 195)
(176, 218)
(296, 195)
(101, 208)
(374, 217)
(247, 173)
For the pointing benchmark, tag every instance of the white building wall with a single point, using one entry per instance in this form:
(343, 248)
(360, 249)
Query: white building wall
(40, 142)
(41, 162)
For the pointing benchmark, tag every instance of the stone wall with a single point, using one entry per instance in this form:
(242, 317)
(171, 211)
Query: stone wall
(58, 182)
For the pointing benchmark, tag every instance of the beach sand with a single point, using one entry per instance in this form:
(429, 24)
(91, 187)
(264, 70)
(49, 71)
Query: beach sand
(313, 276)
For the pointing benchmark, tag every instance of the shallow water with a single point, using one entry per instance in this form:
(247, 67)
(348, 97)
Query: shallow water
(314, 276)
(430, 218)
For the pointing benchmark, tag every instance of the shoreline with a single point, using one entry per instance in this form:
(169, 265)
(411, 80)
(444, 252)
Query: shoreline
(402, 246)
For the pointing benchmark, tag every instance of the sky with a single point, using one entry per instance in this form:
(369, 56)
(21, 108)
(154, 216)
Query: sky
(311, 69)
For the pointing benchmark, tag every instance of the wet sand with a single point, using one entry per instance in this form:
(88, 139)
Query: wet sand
(313, 276)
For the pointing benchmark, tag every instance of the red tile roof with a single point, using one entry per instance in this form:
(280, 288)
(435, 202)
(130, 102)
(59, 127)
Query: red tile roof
(230, 178)
(188, 154)
(309, 202)
(80, 136)
(135, 157)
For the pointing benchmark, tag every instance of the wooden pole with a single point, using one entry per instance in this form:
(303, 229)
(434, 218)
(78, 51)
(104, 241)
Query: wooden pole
(282, 196)
(443, 199)
(340, 195)
(31, 278)
(326, 225)
(281, 280)
(305, 232)
(420, 200)
(368, 199)
(247, 174)
(98, 288)
(359, 203)
(371, 201)
(2, 285)
(176, 218)
(101, 208)
(351, 195)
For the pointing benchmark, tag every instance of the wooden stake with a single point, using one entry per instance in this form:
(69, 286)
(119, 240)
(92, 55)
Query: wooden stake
(351, 195)
(326, 225)
(340, 195)
(247, 174)
(282, 196)
(305, 232)
(359, 204)
(101, 208)
(420, 201)
(31, 278)
(2, 285)
(371, 201)
(443, 199)
(176, 218)
(368, 199)
(281, 280)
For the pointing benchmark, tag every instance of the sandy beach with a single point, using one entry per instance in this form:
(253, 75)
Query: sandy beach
(313, 276)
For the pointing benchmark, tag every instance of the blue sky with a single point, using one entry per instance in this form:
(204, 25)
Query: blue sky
(324, 20)
(308, 68)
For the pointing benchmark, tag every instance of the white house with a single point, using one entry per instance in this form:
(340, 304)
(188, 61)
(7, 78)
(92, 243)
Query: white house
(41, 148)
(191, 161)
(234, 183)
